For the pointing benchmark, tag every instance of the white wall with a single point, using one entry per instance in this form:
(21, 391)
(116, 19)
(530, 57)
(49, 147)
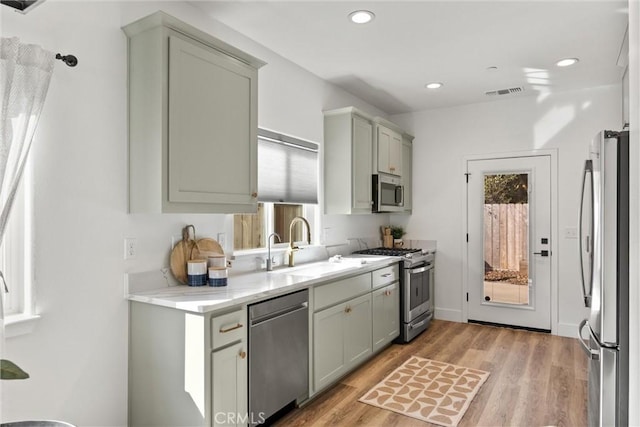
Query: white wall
(77, 356)
(564, 121)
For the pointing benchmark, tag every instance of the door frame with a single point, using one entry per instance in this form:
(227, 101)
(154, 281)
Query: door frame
(553, 157)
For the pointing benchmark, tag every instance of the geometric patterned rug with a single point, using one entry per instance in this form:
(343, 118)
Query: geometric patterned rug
(436, 392)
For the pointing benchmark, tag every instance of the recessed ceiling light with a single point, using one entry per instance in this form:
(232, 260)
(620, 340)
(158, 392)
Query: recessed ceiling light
(434, 85)
(361, 16)
(567, 62)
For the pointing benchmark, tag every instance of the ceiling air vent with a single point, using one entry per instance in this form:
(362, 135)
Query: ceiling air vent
(22, 6)
(505, 91)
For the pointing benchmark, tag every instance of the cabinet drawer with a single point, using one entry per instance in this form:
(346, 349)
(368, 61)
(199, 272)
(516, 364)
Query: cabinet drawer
(385, 276)
(228, 328)
(342, 290)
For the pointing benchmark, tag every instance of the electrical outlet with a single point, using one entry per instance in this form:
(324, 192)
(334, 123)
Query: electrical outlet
(326, 235)
(174, 240)
(130, 247)
(222, 239)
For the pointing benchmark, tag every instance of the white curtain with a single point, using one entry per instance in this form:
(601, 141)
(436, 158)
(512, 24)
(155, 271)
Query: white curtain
(24, 80)
(25, 72)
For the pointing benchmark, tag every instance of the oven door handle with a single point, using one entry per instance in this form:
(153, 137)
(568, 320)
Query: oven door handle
(417, 325)
(420, 270)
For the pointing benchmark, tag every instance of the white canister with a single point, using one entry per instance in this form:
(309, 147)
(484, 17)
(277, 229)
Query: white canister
(197, 272)
(217, 261)
(218, 276)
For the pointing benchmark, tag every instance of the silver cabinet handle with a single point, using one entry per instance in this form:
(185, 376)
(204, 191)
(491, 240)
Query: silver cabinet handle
(233, 328)
(385, 275)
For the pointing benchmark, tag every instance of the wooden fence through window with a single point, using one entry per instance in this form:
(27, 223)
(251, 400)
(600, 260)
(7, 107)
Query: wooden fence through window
(506, 242)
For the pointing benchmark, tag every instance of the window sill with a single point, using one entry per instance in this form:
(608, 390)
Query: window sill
(279, 248)
(19, 324)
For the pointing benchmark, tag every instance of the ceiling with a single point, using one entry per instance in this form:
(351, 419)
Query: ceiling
(410, 43)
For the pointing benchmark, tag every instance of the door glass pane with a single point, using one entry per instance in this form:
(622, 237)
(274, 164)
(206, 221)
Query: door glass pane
(506, 239)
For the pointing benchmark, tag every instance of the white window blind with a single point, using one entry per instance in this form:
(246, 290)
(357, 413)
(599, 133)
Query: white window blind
(287, 169)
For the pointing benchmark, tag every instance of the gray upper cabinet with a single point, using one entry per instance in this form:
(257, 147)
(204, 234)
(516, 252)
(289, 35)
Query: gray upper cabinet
(192, 120)
(407, 171)
(388, 148)
(348, 145)
(623, 62)
(625, 99)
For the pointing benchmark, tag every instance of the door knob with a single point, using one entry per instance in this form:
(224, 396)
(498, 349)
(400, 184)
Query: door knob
(542, 253)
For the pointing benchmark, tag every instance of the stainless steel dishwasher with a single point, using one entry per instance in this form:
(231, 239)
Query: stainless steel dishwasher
(278, 354)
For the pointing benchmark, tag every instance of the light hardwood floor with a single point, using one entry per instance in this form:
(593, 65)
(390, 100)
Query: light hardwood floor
(536, 380)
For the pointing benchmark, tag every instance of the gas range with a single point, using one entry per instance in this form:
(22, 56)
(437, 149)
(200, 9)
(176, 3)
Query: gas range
(409, 256)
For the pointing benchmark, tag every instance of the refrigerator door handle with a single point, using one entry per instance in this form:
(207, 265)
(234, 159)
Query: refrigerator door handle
(591, 353)
(588, 170)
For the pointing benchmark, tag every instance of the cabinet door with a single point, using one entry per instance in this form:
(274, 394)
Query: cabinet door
(229, 386)
(362, 146)
(212, 126)
(395, 154)
(378, 298)
(384, 142)
(386, 315)
(389, 151)
(392, 311)
(407, 171)
(328, 348)
(357, 329)
(625, 98)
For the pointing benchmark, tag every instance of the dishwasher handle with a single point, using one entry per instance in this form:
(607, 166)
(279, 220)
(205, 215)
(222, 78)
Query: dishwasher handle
(279, 313)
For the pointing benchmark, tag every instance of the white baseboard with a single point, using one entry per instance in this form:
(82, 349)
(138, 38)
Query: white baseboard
(448, 314)
(567, 330)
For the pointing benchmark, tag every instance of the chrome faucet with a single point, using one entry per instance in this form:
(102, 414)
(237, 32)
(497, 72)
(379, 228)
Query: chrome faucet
(292, 248)
(269, 260)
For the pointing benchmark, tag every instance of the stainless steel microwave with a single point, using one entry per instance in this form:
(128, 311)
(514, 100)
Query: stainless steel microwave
(388, 193)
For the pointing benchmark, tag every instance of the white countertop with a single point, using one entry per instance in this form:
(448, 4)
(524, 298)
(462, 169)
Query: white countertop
(255, 286)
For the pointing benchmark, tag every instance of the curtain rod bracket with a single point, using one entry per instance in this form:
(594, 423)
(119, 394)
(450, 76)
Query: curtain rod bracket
(70, 60)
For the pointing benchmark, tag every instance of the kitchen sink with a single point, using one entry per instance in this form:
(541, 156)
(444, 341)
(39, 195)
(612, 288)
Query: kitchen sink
(334, 265)
(316, 268)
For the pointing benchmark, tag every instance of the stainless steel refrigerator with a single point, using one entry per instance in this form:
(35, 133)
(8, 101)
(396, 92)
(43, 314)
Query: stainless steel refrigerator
(604, 255)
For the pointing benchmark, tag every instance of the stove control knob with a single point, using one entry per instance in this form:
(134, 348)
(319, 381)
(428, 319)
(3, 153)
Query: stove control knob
(409, 256)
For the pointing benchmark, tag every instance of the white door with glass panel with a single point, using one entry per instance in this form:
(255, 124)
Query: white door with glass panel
(509, 241)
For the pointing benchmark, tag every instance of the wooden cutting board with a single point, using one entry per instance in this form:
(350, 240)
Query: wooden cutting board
(186, 250)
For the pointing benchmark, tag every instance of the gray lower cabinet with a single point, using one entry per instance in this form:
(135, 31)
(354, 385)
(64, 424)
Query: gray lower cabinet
(342, 338)
(192, 120)
(353, 318)
(386, 315)
(187, 369)
(329, 356)
(229, 382)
